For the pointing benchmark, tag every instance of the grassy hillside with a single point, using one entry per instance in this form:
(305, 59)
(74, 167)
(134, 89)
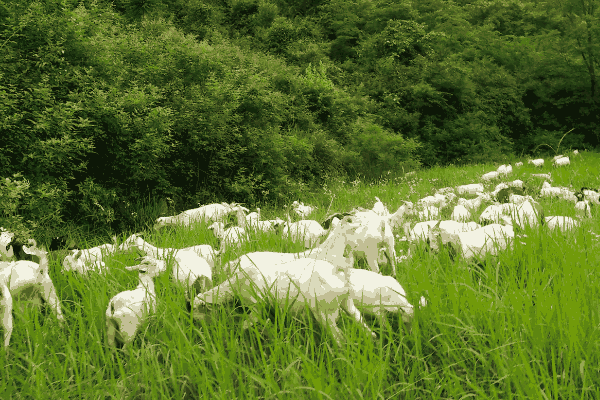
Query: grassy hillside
(523, 324)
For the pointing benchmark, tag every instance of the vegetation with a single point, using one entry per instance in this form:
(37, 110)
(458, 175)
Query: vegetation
(523, 324)
(104, 103)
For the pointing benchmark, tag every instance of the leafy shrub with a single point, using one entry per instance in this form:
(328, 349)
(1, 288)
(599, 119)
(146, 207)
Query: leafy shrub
(380, 151)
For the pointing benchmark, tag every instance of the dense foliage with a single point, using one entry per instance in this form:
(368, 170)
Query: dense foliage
(103, 103)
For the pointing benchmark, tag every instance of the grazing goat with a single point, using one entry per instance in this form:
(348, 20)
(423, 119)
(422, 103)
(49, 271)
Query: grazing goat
(308, 230)
(563, 223)
(473, 188)
(193, 265)
(374, 231)
(331, 250)
(84, 261)
(583, 209)
(376, 294)
(562, 162)
(428, 212)
(380, 209)
(560, 192)
(19, 278)
(6, 251)
(519, 164)
(302, 210)
(212, 212)
(460, 213)
(538, 162)
(234, 235)
(490, 175)
(488, 239)
(504, 169)
(317, 283)
(126, 310)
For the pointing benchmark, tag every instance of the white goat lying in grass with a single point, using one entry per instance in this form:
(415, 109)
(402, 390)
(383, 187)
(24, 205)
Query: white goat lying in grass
(519, 164)
(126, 310)
(84, 261)
(234, 235)
(375, 294)
(20, 277)
(212, 212)
(308, 230)
(193, 265)
(319, 284)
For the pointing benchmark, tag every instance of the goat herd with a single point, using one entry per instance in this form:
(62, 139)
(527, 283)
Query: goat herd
(323, 277)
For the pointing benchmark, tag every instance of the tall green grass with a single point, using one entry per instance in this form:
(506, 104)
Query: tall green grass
(522, 324)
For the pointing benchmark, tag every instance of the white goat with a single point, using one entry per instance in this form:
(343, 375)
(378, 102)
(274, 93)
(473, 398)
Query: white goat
(488, 239)
(331, 250)
(518, 199)
(6, 251)
(26, 278)
(376, 294)
(231, 236)
(447, 228)
(380, 209)
(490, 175)
(560, 192)
(374, 231)
(562, 162)
(557, 157)
(428, 213)
(193, 265)
(504, 169)
(583, 209)
(460, 213)
(575, 152)
(474, 204)
(519, 164)
(319, 284)
(302, 210)
(538, 162)
(308, 230)
(212, 212)
(87, 260)
(473, 188)
(396, 219)
(126, 310)
(563, 223)
(524, 213)
(591, 195)
(438, 200)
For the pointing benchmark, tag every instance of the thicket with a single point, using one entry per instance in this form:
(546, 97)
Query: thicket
(103, 104)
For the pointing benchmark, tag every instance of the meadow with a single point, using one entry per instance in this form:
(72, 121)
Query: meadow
(522, 324)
